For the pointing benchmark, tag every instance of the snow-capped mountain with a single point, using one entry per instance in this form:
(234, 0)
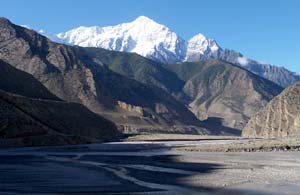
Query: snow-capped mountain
(155, 41)
(142, 36)
(201, 48)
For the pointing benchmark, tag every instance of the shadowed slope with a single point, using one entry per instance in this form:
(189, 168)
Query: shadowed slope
(72, 75)
(31, 115)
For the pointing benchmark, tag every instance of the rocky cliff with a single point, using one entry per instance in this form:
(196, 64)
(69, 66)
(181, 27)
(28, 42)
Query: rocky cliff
(279, 118)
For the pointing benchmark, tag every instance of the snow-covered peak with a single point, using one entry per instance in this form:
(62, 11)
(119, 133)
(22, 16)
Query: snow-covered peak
(201, 48)
(144, 19)
(198, 38)
(150, 39)
(200, 42)
(143, 36)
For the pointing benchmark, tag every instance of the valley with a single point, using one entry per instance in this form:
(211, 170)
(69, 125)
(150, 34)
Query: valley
(134, 109)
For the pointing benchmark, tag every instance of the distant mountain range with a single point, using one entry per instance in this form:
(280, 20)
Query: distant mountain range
(155, 41)
(88, 92)
(72, 75)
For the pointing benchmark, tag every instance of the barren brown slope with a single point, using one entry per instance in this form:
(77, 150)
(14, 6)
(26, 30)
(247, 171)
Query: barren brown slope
(279, 118)
(31, 115)
(70, 74)
(137, 67)
(224, 93)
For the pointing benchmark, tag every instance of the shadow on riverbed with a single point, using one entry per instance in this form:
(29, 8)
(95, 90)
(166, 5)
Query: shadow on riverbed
(166, 170)
(215, 125)
(65, 173)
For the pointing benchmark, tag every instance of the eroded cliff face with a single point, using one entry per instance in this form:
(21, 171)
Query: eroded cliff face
(279, 118)
(130, 108)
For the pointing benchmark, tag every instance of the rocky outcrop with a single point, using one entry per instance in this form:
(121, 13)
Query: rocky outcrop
(279, 118)
(130, 108)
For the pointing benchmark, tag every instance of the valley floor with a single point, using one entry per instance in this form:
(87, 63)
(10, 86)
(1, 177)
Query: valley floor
(156, 165)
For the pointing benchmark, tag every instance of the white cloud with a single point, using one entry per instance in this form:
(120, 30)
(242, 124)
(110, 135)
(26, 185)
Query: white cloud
(242, 61)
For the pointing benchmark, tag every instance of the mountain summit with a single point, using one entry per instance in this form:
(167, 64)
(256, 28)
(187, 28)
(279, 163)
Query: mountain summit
(73, 74)
(150, 39)
(142, 36)
(145, 37)
(139, 94)
(201, 48)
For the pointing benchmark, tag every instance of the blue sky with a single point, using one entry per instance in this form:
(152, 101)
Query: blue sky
(265, 30)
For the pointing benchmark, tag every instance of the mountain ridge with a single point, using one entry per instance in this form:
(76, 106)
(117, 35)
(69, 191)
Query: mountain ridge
(155, 41)
(187, 84)
(140, 94)
(30, 115)
(70, 74)
(224, 91)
